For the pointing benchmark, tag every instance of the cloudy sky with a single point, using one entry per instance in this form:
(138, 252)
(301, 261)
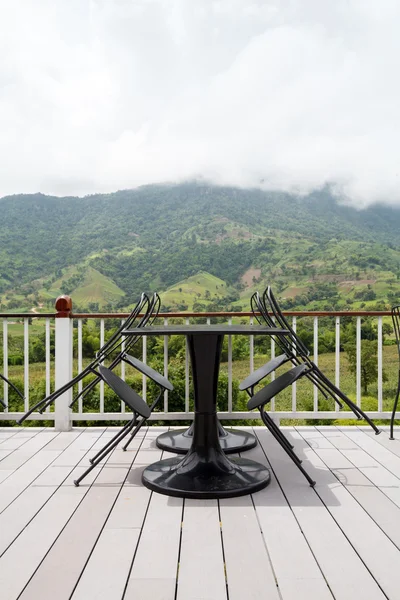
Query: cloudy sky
(100, 95)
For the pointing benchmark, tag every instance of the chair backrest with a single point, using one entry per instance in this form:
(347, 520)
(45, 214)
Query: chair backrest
(396, 325)
(264, 317)
(299, 347)
(115, 341)
(148, 318)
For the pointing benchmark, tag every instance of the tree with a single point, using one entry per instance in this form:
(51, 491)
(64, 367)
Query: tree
(369, 366)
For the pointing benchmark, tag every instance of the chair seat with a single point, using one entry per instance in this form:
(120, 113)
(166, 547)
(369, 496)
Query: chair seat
(125, 392)
(262, 372)
(276, 386)
(148, 371)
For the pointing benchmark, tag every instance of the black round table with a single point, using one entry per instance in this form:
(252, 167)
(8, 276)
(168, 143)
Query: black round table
(205, 471)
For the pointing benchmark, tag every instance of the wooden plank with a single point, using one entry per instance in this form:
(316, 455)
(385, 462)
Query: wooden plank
(354, 522)
(375, 450)
(7, 433)
(154, 569)
(249, 571)
(28, 450)
(76, 541)
(376, 490)
(201, 566)
(18, 440)
(297, 572)
(345, 573)
(21, 478)
(23, 557)
(383, 439)
(20, 512)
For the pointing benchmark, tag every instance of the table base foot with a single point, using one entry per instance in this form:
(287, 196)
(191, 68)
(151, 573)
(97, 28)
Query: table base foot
(180, 441)
(173, 478)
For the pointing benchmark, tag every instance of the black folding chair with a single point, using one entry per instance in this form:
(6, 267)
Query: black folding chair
(111, 349)
(150, 314)
(140, 409)
(10, 383)
(263, 396)
(297, 353)
(396, 327)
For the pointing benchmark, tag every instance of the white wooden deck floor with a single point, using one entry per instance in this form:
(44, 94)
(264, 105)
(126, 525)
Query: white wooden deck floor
(112, 538)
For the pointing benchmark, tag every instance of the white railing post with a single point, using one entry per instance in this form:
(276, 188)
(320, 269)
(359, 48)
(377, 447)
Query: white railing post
(63, 362)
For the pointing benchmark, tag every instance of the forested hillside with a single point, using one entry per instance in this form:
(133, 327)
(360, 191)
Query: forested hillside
(204, 246)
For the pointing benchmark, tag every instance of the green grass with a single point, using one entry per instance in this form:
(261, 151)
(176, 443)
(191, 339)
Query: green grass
(95, 287)
(193, 289)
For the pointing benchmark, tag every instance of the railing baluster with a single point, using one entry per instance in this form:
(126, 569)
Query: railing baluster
(358, 362)
(101, 382)
(380, 365)
(294, 386)
(123, 365)
(251, 348)
(80, 363)
(229, 370)
(123, 374)
(47, 355)
(316, 361)
(166, 366)
(273, 373)
(337, 357)
(144, 359)
(5, 360)
(26, 363)
(186, 371)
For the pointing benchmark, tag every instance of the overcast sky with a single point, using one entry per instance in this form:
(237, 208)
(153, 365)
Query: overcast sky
(100, 95)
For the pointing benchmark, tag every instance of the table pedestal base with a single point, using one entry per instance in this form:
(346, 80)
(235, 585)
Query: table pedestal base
(191, 477)
(231, 440)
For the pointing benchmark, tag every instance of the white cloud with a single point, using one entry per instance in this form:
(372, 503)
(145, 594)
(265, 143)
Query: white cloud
(99, 95)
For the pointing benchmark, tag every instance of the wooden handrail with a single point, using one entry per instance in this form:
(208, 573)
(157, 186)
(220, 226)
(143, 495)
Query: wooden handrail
(184, 315)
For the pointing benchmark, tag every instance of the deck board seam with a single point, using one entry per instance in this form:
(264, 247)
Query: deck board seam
(56, 488)
(380, 489)
(19, 447)
(139, 538)
(376, 579)
(129, 466)
(374, 457)
(23, 464)
(294, 515)
(63, 527)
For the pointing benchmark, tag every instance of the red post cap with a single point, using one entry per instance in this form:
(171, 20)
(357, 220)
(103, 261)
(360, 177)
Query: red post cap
(63, 306)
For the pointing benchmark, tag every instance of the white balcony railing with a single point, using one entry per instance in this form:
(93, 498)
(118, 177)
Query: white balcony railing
(59, 365)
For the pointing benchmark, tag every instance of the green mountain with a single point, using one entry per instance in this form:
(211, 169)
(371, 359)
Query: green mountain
(201, 245)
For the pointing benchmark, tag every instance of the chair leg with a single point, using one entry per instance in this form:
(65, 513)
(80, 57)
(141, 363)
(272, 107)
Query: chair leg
(282, 442)
(394, 410)
(110, 447)
(278, 432)
(152, 407)
(117, 435)
(289, 452)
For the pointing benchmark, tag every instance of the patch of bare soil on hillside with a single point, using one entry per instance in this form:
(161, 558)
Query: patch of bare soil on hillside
(247, 278)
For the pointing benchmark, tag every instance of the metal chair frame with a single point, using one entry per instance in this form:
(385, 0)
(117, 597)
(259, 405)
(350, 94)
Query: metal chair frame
(263, 396)
(148, 318)
(299, 353)
(144, 305)
(10, 383)
(138, 407)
